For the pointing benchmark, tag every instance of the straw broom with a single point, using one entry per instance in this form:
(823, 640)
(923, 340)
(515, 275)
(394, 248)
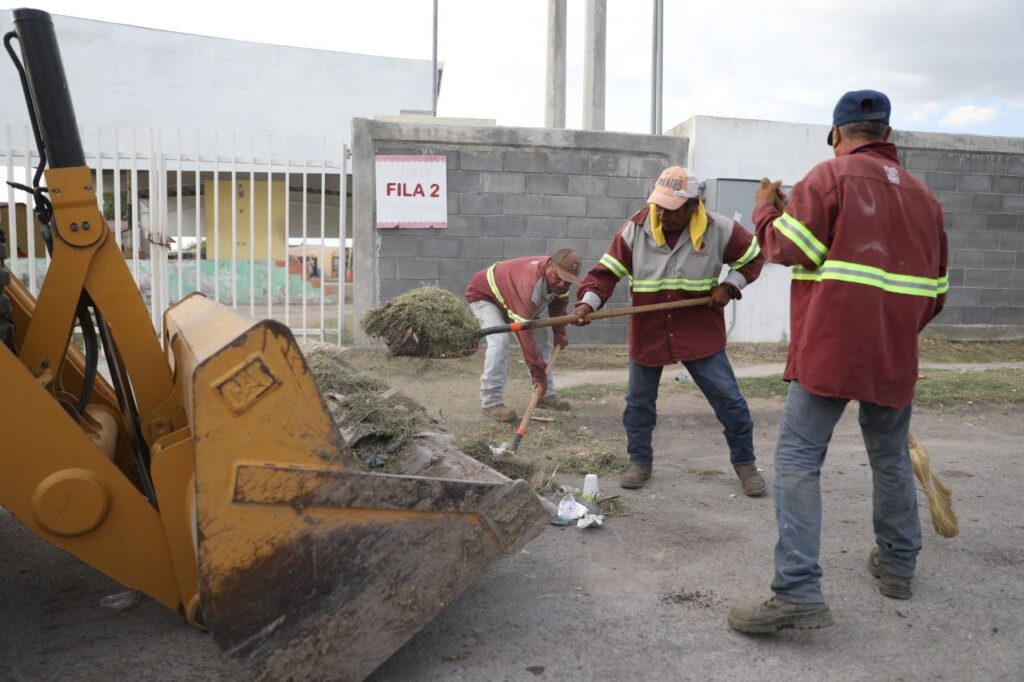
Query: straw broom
(940, 495)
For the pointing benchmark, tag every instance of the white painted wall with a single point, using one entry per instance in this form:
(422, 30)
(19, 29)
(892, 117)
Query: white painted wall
(131, 77)
(749, 150)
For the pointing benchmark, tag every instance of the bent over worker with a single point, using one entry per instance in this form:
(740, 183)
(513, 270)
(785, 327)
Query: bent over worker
(674, 249)
(869, 254)
(517, 290)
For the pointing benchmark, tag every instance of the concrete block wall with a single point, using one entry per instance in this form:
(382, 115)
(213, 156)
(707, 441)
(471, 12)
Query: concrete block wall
(980, 183)
(511, 192)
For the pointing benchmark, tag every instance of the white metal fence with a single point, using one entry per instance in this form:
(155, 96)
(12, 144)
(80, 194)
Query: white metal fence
(281, 252)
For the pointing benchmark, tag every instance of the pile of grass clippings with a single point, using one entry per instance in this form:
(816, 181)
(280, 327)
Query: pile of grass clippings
(425, 322)
(377, 423)
(597, 458)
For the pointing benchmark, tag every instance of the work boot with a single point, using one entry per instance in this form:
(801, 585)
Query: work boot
(751, 479)
(776, 614)
(894, 586)
(553, 402)
(500, 413)
(635, 475)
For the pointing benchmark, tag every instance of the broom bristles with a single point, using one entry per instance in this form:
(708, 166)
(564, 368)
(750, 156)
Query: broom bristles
(919, 458)
(939, 495)
(941, 509)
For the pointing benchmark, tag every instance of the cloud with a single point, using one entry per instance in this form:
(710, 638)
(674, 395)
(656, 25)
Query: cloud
(924, 112)
(968, 114)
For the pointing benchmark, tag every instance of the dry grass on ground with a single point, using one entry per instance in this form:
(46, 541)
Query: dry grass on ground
(940, 350)
(937, 388)
(617, 357)
(940, 388)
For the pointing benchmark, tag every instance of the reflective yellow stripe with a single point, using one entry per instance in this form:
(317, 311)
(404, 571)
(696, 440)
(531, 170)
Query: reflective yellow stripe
(751, 253)
(647, 286)
(497, 295)
(855, 273)
(617, 268)
(796, 232)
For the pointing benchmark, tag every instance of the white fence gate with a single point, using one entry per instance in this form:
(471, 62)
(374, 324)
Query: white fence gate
(283, 252)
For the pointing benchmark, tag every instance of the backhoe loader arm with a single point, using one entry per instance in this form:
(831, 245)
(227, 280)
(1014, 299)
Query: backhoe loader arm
(78, 474)
(85, 257)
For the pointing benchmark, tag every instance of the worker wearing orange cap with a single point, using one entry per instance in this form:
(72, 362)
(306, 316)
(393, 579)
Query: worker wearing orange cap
(670, 250)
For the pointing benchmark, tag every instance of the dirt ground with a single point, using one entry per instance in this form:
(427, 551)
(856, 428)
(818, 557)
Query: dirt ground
(644, 597)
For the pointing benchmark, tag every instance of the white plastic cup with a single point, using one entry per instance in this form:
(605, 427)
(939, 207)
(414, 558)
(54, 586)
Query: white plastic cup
(590, 486)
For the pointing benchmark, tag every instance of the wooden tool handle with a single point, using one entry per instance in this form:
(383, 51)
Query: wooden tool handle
(538, 393)
(597, 315)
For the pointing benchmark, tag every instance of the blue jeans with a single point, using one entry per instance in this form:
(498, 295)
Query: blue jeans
(715, 378)
(806, 429)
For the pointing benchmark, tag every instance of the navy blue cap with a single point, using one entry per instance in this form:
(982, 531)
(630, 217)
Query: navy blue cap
(860, 105)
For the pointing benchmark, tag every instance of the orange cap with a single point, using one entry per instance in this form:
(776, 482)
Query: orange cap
(674, 187)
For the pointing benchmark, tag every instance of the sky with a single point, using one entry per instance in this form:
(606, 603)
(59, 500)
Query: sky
(952, 66)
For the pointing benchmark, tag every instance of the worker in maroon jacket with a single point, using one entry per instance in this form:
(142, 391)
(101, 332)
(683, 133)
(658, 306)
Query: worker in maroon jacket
(868, 249)
(674, 249)
(517, 290)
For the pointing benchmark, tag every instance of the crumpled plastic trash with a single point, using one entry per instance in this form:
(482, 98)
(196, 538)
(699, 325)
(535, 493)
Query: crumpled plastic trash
(122, 601)
(683, 376)
(569, 510)
(499, 449)
(589, 520)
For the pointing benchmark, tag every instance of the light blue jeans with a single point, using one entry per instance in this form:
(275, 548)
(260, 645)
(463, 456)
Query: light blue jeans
(806, 429)
(492, 381)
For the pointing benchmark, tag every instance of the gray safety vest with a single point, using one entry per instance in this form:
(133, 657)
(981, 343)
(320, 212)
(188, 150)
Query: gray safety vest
(661, 268)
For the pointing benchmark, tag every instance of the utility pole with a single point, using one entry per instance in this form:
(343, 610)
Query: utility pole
(657, 49)
(434, 110)
(594, 65)
(554, 97)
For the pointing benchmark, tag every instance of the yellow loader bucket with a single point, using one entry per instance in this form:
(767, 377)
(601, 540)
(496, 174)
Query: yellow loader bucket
(307, 566)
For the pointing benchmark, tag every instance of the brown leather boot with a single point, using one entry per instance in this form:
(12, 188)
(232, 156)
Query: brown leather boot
(894, 586)
(635, 475)
(500, 413)
(553, 402)
(751, 480)
(774, 615)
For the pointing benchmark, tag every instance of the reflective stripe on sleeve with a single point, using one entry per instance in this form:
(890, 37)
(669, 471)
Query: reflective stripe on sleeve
(750, 254)
(617, 268)
(796, 232)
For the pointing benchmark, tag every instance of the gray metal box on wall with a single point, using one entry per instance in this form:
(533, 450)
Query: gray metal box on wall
(732, 196)
(765, 301)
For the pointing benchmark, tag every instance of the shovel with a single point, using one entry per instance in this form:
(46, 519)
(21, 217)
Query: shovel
(508, 454)
(596, 315)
